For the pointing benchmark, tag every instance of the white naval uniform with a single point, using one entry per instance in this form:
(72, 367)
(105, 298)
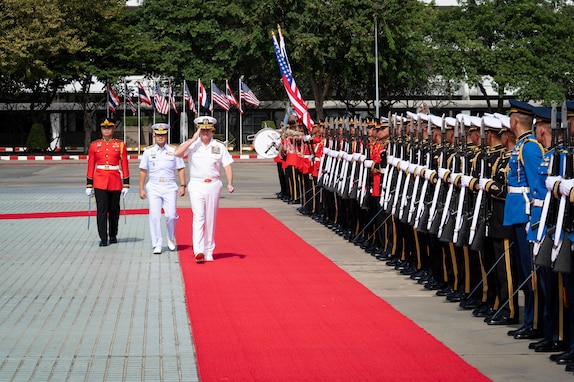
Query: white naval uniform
(161, 165)
(205, 165)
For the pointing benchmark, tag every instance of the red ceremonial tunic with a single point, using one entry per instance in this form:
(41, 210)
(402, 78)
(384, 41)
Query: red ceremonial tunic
(108, 167)
(376, 149)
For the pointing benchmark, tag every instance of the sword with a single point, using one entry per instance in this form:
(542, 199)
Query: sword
(124, 203)
(89, 210)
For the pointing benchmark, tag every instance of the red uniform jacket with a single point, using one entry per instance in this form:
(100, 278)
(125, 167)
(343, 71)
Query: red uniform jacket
(108, 167)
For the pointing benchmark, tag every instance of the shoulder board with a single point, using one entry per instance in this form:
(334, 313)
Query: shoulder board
(148, 147)
(217, 140)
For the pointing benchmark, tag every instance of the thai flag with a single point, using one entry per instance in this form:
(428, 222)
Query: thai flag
(230, 97)
(142, 94)
(128, 96)
(203, 100)
(113, 99)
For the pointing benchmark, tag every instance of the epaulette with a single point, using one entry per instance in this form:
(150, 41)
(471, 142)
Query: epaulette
(217, 140)
(173, 145)
(148, 147)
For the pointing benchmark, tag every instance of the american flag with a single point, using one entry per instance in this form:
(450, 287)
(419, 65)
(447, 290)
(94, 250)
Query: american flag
(128, 97)
(203, 100)
(172, 99)
(219, 98)
(142, 94)
(188, 98)
(247, 95)
(113, 99)
(289, 83)
(161, 104)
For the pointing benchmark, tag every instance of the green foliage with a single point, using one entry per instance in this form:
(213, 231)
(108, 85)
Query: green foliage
(37, 138)
(269, 124)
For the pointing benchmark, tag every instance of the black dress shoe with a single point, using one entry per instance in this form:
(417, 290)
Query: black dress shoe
(470, 303)
(552, 346)
(570, 367)
(483, 310)
(528, 334)
(103, 243)
(113, 240)
(455, 296)
(514, 332)
(445, 291)
(502, 320)
(543, 341)
(565, 358)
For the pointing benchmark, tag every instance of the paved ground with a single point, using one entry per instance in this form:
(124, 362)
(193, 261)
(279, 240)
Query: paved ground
(70, 310)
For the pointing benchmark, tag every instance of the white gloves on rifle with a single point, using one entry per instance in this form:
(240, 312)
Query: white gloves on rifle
(465, 180)
(89, 191)
(368, 163)
(429, 173)
(551, 181)
(453, 177)
(566, 186)
(412, 168)
(125, 191)
(442, 172)
(482, 182)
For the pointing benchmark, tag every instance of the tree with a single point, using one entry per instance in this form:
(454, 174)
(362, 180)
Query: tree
(523, 46)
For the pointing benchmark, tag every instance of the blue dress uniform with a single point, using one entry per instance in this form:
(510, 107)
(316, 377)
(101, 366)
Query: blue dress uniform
(161, 165)
(524, 185)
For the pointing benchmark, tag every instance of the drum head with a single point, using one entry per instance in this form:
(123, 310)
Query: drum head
(267, 142)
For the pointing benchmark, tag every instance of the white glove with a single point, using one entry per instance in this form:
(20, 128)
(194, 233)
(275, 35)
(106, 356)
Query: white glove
(465, 180)
(404, 165)
(326, 151)
(566, 187)
(306, 138)
(429, 173)
(125, 191)
(453, 176)
(89, 191)
(412, 168)
(418, 169)
(368, 163)
(551, 181)
(482, 183)
(442, 172)
(356, 156)
(347, 157)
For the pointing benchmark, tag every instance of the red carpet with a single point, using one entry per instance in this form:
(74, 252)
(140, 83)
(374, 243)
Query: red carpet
(272, 308)
(65, 214)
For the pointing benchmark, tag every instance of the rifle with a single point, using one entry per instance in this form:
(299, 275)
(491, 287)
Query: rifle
(478, 205)
(447, 203)
(441, 164)
(414, 199)
(561, 254)
(386, 196)
(409, 141)
(400, 172)
(428, 164)
(462, 193)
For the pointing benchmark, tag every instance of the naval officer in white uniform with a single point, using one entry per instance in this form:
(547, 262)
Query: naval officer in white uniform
(161, 166)
(206, 158)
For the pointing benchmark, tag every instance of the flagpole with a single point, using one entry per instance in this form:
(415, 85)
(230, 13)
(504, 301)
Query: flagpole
(240, 119)
(139, 125)
(198, 98)
(108, 99)
(183, 120)
(376, 69)
(125, 101)
(211, 100)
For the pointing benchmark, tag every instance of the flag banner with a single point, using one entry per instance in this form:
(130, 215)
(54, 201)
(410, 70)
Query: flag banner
(161, 104)
(230, 97)
(172, 99)
(289, 83)
(219, 98)
(142, 94)
(113, 99)
(247, 95)
(128, 97)
(188, 98)
(203, 100)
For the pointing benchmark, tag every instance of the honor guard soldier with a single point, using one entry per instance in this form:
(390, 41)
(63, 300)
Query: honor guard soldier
(161, 165)
(108, 179)
(523, 187)
(206, 158)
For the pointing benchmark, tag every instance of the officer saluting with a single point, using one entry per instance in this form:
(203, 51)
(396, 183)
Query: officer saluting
(160, 164)
(108, 178)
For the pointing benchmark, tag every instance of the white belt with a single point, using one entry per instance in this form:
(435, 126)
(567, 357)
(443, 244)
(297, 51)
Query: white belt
(518, 190)
(538, 202)
(107, 167)
(524, 191)
(161, 180)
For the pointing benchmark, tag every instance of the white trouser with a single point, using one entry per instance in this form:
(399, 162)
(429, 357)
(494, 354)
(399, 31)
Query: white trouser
(161, 195)
(204, 199)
